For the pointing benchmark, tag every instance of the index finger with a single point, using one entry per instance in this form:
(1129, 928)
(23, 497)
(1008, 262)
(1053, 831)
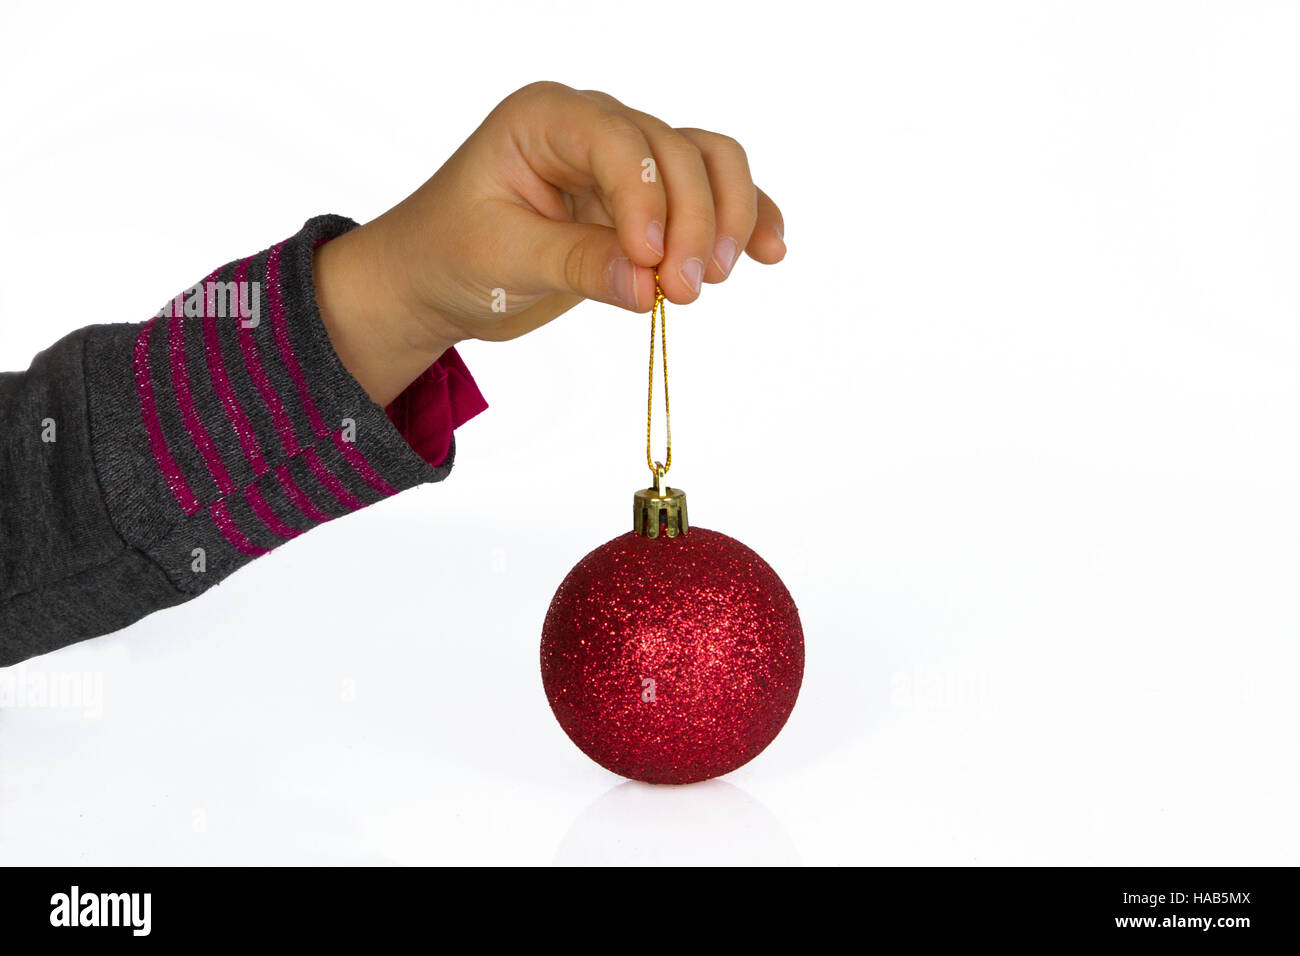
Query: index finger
(575, 141)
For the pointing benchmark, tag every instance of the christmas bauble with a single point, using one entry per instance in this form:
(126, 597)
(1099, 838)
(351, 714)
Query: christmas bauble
(672, 657)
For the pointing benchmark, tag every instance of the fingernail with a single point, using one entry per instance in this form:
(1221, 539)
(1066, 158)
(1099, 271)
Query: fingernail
(654, 237)
(780, 231)
(622, 280)
(724, 254)
(692, 273)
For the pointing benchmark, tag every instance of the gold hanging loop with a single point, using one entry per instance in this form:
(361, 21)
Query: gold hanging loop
(659, 315)
(659, 510)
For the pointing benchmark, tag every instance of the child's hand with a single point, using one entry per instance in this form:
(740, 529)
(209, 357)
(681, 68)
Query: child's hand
(558, 196)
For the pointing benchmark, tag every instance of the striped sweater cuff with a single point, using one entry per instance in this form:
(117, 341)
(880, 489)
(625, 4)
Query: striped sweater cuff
(226, 424)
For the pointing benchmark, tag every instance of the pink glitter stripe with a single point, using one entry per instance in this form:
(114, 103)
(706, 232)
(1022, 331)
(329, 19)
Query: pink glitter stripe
(239, 422)
(280, 330)
(298, 496)
(279, 417)
(262, 382)
(362, 466)
(244, 428)
(269, 518)
(328, 479)
(162, 456)
(221, 516)
(189, 412)
(226, 524)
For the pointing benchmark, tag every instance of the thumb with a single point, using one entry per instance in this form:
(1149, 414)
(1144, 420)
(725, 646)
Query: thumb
(577, 258)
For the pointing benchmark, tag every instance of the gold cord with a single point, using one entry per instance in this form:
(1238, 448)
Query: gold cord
(658, 314)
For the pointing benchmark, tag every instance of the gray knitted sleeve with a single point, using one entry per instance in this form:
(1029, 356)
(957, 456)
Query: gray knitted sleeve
(142, 464)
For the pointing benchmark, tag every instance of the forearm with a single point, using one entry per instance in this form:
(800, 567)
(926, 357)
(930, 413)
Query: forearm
(182, 448)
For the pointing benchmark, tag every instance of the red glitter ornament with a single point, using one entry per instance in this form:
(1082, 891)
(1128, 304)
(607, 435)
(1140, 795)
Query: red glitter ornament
(671, 654)
(672, 659)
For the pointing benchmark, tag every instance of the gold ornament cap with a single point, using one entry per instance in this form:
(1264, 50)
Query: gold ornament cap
(659, 510)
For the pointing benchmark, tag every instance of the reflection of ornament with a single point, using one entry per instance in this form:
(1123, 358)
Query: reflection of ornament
(714, 823)
(671, 654)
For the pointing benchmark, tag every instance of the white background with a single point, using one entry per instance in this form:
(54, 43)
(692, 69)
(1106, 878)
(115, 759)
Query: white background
(1027, 379)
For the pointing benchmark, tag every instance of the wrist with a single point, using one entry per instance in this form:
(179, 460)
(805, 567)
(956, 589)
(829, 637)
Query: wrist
(379, 335)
